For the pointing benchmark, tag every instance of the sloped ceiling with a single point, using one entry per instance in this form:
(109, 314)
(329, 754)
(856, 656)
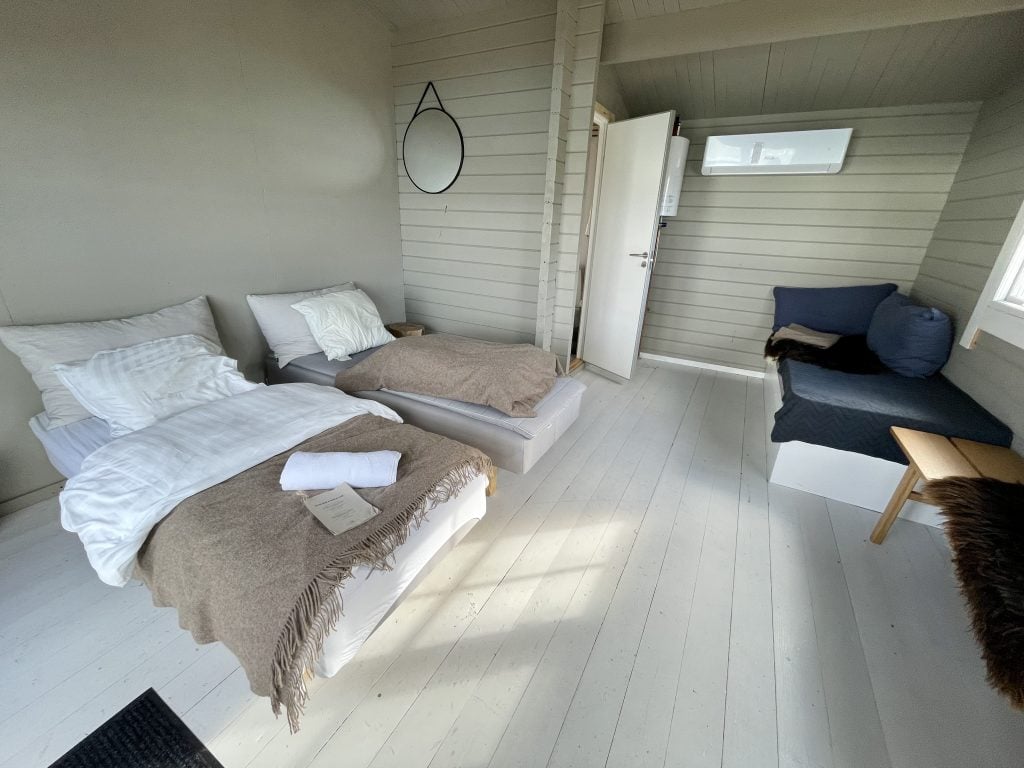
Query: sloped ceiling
(628, 10)
(406, 13)
(958, 60)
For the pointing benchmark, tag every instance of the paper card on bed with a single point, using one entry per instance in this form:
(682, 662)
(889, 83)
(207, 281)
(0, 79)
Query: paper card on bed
(341, 510)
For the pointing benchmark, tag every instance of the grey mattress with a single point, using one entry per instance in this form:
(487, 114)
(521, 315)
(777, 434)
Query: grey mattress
(512, 443)
(853, 412)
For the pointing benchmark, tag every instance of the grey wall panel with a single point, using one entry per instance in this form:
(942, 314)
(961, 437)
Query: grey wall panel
(156, 151)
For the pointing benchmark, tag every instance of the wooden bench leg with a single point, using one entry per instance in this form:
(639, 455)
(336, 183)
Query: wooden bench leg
(492, 481)
(892, 510)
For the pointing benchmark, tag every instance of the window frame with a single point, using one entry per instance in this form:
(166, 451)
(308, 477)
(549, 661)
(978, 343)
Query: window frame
(996, 312)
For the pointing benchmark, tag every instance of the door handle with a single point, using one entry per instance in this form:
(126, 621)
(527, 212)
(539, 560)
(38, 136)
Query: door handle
(643, 255)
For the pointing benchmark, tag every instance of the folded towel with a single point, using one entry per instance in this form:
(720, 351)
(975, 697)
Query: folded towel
(805, 335)
(320, 471)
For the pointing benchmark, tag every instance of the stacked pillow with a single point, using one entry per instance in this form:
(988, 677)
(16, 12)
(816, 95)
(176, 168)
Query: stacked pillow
(338, 321)
(130, 372)
(42, 347)
(134, 387)
(343, 323)
(910, 339)
(286, 330)
(135, 371)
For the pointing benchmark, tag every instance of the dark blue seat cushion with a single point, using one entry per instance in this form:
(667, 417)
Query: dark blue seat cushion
(910, 339)
(846, 310)
(853, 412)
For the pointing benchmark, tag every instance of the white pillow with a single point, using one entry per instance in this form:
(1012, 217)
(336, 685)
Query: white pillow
(41, 347)
(285, 329)
(133, 387)
(344, 323)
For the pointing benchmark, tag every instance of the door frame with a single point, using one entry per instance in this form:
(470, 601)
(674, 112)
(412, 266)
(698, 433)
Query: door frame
(602, 118)
(655, 242)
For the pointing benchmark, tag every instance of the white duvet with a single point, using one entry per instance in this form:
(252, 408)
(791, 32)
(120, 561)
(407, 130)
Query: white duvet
(130, 484)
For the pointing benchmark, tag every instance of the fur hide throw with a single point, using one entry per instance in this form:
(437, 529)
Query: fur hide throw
(985, 527)
(850, 354)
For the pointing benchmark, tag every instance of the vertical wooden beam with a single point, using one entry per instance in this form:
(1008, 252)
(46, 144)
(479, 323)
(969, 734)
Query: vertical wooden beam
(558, 121)
(591, 15)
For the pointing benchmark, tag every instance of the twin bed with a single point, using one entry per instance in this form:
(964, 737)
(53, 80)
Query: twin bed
(370, 594)
(513, 443)
(215, 465)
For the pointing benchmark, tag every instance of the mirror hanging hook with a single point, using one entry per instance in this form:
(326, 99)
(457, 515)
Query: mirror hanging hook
(429, 87)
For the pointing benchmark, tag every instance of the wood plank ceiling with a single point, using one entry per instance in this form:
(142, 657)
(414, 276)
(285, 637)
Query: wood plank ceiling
(628, 10)
(406, 13)
(957, 60)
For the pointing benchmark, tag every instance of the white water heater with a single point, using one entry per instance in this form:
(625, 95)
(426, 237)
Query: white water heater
(675, 169)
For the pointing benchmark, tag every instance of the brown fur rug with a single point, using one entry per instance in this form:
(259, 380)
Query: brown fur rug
(850, 354)
(985, 527)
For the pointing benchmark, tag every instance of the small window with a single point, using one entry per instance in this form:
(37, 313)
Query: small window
(1000, 308)
(1016, 293)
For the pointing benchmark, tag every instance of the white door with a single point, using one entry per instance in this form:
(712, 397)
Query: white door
(624, 240)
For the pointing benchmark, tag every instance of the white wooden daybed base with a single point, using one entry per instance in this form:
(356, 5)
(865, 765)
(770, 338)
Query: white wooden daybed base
(864, 481)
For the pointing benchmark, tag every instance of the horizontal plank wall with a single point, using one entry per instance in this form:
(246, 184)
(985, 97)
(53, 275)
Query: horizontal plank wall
(581, 116)
(985, 197)
(735, 237)
(471, 254)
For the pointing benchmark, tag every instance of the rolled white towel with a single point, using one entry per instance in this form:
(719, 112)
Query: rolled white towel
(320, 471)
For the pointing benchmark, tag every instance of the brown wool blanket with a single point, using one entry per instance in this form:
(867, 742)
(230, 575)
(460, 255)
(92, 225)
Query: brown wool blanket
(509, 377)
(245, 563)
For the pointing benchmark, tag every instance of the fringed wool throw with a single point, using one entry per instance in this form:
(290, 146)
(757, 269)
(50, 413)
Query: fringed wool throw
(245, 563)
(512, 378)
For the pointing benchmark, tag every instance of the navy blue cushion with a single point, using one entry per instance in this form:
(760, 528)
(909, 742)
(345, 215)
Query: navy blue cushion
(853, 412)
(910, 339)
(846, 311)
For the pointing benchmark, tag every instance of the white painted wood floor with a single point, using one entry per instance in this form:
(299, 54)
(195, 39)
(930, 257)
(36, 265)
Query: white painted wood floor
(643, 597)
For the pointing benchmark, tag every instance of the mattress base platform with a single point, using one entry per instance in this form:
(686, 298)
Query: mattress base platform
(508, 449)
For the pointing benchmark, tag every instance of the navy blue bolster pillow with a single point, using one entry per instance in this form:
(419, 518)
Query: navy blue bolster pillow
(846, 310)
(910, 339)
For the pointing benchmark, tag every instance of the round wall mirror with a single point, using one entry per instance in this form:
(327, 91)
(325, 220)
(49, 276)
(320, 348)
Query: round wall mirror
(432, 149)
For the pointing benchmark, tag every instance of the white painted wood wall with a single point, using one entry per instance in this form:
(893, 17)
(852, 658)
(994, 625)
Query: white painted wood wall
(734, 238)
(985, 197)
(471, 254)
(481, 259)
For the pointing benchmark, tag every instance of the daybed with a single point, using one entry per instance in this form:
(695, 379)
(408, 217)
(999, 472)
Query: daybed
(515, 444)
(830, 428)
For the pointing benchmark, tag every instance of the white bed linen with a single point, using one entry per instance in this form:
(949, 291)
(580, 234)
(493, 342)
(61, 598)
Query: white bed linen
(368, 595)
(127, 486)
(68, 446)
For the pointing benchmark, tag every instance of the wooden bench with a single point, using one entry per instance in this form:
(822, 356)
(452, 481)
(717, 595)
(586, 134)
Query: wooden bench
(933, 457)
